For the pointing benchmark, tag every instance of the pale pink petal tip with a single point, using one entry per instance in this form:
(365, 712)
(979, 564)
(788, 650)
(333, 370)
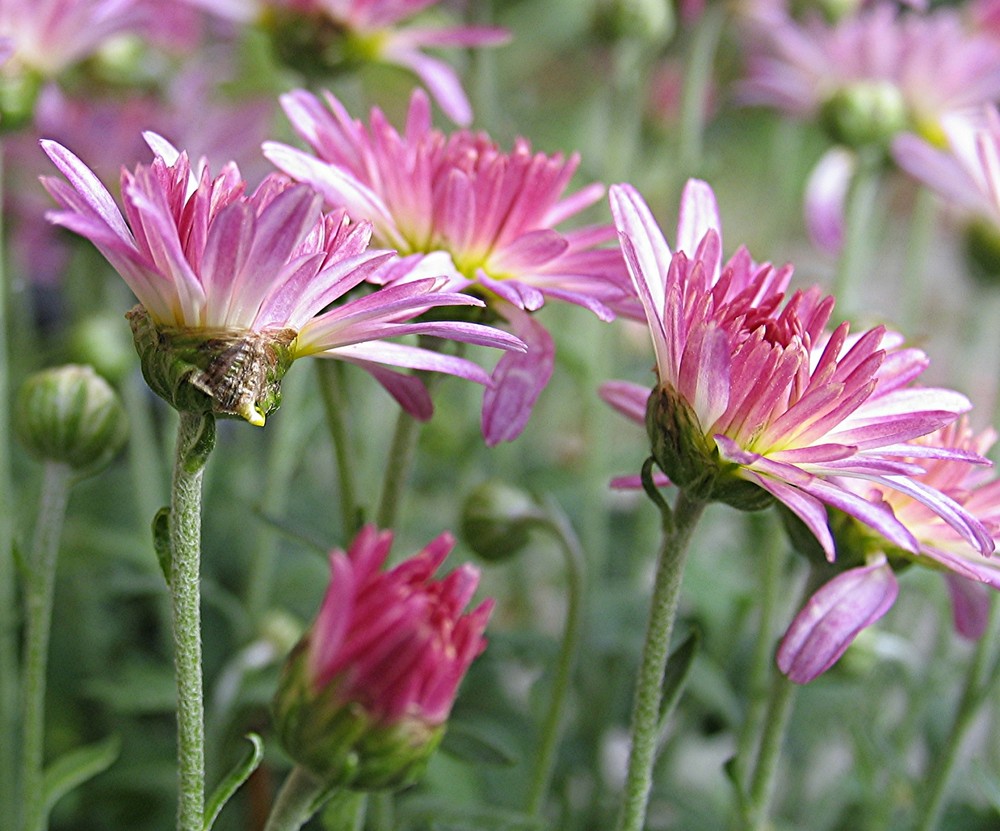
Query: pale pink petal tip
(833, 617)
(970, 606)
(826, 197)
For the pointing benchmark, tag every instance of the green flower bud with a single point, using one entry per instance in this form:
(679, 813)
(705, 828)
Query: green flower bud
(102, 342)
(982, 251)
(864, 114)
(236, 374)
(316, 45)
(497, 520)
(70, 415)
(651, 21)
(341, 742)
(18, 95)
(691, 460)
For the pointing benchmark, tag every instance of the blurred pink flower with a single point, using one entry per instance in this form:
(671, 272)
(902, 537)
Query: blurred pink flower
(372, 28)
(386, 654)
(461, 207)
(200, 254)
(931, 60)
(855, 599)
(752, 388)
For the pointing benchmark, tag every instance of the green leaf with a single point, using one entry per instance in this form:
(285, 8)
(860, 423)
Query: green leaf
(345, 810)
(232, 781)
(469, 745)
(678, 666)
(161, 541)
(445, 816)
(76, 767)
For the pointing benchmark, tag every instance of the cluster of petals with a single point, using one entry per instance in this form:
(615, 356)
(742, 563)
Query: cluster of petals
(377, 23)
(856, 598)
(798, 410)
(199, 253)
(48, 35)
(933, 60)
(967, 173)
(459, 205)
(397, 642)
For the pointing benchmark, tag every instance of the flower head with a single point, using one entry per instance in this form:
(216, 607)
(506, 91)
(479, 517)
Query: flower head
(753, 390)
(459, 205)
(856, 598)
(327, 35)
(237, 283)
(365, 695)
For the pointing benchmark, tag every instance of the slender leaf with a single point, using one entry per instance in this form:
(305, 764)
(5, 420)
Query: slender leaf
(232, 781)
(76, 767)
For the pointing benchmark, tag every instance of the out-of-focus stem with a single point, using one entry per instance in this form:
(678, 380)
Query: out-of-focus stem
(858, 234)
(697, 85)
(39, 589)
(331, 385)
(296, 802)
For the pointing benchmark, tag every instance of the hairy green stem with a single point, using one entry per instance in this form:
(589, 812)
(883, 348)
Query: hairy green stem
(185, 593)
(980, 680)
(648, 693)
(39, 592)
(559, 525)
(331, 385)
(298, 800)
(779, 709)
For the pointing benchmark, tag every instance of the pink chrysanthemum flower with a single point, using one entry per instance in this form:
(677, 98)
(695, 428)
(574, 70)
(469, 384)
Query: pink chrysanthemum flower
(755, 396)
(255, 275)
(461, 206)
(370, 30)
(855, 599)
(365, 695)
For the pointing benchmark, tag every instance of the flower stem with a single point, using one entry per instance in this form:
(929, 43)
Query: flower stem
(860, 223)
(195, 437)
(559, 525)
(9, 683)
(779, 708)
(397, 468)
(331, 385)
(297, 801)
(696, 87)
(39, 590)
(918, 245)
(979, 682)
(646, 709)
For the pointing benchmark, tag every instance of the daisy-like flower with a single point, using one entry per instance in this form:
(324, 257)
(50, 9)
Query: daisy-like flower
(755, 397)
(461, 206)
(234, 287)
(331, 34)
(856, 598)
(365, 696)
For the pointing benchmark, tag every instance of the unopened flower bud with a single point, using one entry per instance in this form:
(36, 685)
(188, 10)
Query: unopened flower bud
(102, 342)
(71, 415)
(365, 695)
(316, 45)
(19, 89)
(650, 21)
(691, 459)
(982, 251)
(221, 372)
(497, 520)
(866, 113)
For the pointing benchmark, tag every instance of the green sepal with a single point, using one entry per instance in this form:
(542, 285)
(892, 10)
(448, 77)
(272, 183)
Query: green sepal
(76, 767)
(691, 459)
(161, 541)
(230, 373)
(233, 780)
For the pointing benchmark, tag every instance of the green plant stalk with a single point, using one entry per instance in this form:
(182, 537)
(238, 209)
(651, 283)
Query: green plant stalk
(397, 468)
(39, 594)
(979, 682)
(696, 87)
(9, 623)
(541, 778)
(297, 801)
(770, 545)
(646, 709)
(331, 385)
(858, 234)
(917, 248)
(185, 593)
(779, 709)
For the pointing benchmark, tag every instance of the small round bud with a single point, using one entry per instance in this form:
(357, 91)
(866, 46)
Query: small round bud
(71, 415)
(864, 114)
(497, 520)
(315, 45)
(649, 21)
(102, 342)
(18, 95)
(982, 251)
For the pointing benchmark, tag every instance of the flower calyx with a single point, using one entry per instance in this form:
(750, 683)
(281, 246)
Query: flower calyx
(223, 372)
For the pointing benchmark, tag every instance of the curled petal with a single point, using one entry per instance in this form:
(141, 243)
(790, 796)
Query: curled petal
(833, 617)
(826, 197)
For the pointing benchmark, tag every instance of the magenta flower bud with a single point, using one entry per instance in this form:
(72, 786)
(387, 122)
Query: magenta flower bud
(833, 617)
(366, 693)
